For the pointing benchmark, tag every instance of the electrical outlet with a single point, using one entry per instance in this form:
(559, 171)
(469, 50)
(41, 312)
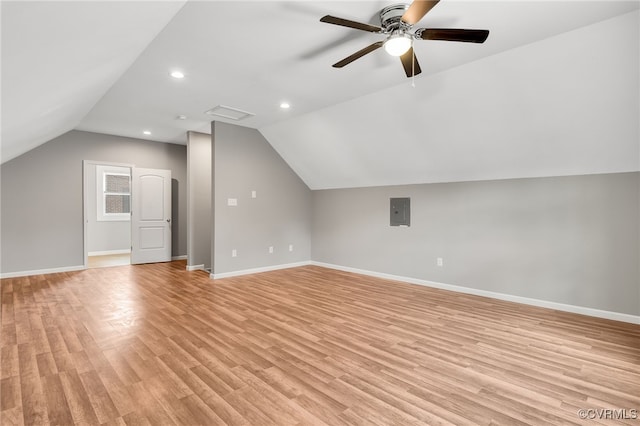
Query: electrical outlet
(439, 261)
(234, 253)
(232, 201)
(254, 194)
(290, 247)
(270, 249)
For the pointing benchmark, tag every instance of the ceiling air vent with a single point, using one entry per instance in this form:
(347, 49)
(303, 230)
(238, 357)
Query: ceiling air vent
(230, 113)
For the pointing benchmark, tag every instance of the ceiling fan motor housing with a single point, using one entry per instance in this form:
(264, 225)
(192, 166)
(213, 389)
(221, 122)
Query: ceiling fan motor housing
(390, 17)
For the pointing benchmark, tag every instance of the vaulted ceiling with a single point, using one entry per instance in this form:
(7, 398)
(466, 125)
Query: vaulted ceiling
(553, 91)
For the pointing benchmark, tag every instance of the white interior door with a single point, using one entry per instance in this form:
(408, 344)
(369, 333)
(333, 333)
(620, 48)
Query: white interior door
(150, 215)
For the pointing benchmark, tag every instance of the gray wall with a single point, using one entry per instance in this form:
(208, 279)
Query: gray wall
(571, 240)
(41, 211)
(103, 235)
(199, 199)
(280, 214)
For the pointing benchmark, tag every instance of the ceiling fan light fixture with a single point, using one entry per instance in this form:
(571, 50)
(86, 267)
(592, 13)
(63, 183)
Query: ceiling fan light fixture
(398, 44)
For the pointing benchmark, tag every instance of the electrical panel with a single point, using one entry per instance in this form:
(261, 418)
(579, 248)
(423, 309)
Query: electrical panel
(400, 211)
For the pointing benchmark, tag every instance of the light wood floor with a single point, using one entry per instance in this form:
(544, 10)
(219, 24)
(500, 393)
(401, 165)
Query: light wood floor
(154, 344)
(108, 260)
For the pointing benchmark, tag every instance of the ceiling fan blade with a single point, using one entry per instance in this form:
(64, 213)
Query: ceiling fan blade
(453, 34)
(410, 63)
(417, 10)
(351, 24)
(360, 53)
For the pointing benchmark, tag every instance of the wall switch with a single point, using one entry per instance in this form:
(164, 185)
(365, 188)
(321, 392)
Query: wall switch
(234, 253)
(232, 202)
(254, 194)
(290, 247)
(270, 249)
(439, 261)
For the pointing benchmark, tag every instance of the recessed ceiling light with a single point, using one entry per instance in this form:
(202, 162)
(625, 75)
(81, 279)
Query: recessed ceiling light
(177, 74)
(147, 132)
(285, 105)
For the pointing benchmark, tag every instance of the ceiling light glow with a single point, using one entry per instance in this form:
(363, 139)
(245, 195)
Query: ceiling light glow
(397, 44)
(147, 132)
(285, 105)
(177, 74)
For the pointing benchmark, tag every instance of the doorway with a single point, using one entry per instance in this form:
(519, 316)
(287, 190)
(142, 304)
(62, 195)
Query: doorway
(127, 214)
(107, 214)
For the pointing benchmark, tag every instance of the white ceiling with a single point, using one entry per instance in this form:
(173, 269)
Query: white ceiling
(60, 58)
(515, 106)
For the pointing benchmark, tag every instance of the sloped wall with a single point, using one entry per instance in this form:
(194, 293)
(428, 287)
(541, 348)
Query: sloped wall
(566, 105)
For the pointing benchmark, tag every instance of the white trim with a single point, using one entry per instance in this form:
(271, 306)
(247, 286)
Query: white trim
(195, 267)
(43, 271)
(258, 270)
(181, 257)
(108, 252)
(616, 316)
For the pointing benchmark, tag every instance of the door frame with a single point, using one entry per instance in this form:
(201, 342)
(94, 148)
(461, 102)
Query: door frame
(85, 200)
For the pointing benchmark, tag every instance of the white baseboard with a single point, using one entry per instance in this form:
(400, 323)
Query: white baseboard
(181, 257)
(616, 316)
(258, 270)
(108, 252)
(42, 271)
(195, 267)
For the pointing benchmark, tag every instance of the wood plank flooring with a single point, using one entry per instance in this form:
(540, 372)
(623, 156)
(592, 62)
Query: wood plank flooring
(108, 260)
(155, 344)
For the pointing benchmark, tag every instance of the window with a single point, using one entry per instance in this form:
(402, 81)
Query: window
(113, 193)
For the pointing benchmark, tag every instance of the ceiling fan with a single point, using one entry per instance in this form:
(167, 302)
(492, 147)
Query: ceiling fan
(396, 23)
